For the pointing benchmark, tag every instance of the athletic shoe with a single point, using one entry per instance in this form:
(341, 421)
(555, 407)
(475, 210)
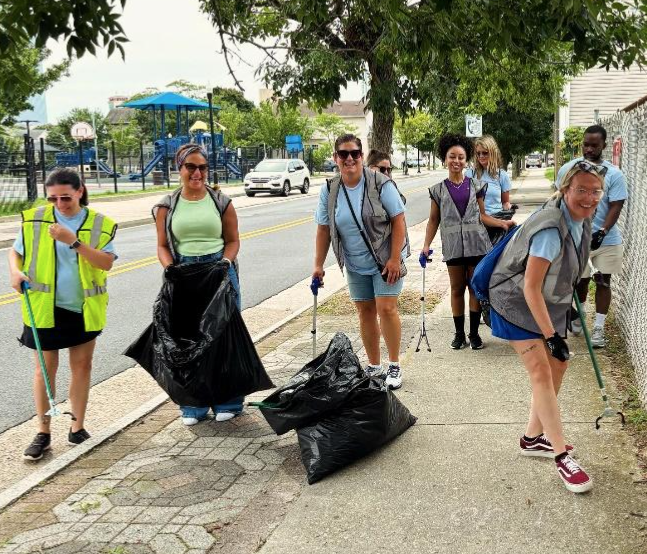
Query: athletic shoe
(597, 338)
(41, 443)
(574, 477)
(78, 437)
(393, 377)
(374, 371)
(188, 421)
(476, 343)
(576, 327)
(226, 416)
(540, 447)
(459, 341)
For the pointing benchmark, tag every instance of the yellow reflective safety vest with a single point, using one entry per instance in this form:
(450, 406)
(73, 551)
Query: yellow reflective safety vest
(39, 264)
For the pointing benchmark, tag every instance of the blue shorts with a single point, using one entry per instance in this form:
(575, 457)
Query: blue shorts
(369, 287)
(503, 329)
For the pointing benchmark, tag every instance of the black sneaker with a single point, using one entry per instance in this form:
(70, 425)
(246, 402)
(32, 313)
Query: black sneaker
(459, 341)
(476, 343)
(41, 443)
(77, 438)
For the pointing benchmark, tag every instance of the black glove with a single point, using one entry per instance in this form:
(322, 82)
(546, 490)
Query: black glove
(170, 272)
(558, 348)
(597, 238)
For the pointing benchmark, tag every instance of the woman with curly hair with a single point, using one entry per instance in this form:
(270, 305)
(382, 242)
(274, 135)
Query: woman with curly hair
(458, 209)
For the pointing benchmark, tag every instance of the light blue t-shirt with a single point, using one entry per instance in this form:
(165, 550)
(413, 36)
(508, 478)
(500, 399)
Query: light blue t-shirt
(495, 186)
(615, 188)
(357, 258)
(69, 292)
(547, 244)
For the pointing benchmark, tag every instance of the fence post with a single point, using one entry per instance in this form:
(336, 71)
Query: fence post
(114, 164)
(224, 148)
(30, 169)
(141, 163)
(42, 161)
(81, 160)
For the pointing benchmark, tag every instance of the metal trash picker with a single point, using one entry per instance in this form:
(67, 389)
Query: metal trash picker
(314, 287)
(423, 328)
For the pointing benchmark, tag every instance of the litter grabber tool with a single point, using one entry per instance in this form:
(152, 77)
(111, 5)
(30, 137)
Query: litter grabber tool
(423, 328)
(53, 410)
(314, 287)
(608, 410)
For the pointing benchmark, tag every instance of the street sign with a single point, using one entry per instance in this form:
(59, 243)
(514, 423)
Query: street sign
(82, 131)
(473, 125)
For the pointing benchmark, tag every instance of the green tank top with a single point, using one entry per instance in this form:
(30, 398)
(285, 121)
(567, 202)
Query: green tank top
(197, 227)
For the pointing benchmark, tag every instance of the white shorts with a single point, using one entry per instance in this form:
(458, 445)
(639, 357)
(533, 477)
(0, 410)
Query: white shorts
(606, 259)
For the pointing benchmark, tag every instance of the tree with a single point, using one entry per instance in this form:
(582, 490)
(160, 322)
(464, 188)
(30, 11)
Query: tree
(331, 125)
(573, 139)
(232, 97)
(59, 134)
(274, 123)
(411, 131)
(320, 154)
(313, 50)
(126, 137)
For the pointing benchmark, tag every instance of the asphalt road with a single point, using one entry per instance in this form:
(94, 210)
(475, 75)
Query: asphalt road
(276, 252)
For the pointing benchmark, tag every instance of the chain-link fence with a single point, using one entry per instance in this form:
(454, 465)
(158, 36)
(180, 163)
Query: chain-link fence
(626, 146)
(18, 184)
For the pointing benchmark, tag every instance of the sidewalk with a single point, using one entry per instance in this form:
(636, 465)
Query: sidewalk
(453, 483)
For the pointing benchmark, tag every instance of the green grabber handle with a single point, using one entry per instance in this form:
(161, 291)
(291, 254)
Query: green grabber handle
(43, 368)
(608, 410)
(262, 404)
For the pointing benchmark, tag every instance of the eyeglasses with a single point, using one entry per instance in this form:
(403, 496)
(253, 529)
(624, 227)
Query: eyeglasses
(597, 193)
(343, 154)
(593, 168)
(192, 167)
(55, 199)
(484, 154)
(385, 170)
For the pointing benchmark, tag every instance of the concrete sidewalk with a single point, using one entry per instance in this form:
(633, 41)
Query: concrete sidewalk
(453, 483)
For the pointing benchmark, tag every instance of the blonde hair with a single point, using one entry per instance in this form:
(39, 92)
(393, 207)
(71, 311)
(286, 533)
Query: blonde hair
(495, 161)
(565, 183)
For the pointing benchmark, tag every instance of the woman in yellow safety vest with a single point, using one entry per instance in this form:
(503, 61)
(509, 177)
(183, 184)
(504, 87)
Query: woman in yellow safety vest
(64, 251)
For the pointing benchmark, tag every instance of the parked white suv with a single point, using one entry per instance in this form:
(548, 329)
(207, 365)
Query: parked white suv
(278, 176)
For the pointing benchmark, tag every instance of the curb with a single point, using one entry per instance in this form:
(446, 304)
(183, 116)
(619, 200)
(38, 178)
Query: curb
(22, 487)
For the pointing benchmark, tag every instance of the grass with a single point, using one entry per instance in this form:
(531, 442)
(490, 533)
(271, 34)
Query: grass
(550, 174)
(408, 303)
(87, 507)
(14, 208)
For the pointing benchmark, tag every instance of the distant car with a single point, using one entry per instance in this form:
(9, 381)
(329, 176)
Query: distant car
(534, 160)
(329, 166)
(278, 176)
(416, 163)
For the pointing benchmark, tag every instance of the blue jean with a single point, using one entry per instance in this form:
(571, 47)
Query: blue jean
(235, 404)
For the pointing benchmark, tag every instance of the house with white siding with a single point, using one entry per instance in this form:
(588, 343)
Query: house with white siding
(598, 93)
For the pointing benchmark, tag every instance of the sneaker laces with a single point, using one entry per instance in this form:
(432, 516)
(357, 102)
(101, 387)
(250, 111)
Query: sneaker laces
(571, 464)
(393, 371)
(39, 440)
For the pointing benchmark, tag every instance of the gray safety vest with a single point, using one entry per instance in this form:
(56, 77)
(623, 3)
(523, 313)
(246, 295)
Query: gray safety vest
(374, 218)
(170, 201)
(508, 278)
(461, 236)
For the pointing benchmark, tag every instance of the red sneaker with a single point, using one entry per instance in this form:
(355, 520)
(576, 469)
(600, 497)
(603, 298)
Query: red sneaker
(540, 447)
(574, 477)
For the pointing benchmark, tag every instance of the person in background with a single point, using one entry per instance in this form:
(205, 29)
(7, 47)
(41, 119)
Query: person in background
(457, 208)
(64, 251)
(606, 243)
(531, 289)
(379, 161)
(372, 256)
(198, 224)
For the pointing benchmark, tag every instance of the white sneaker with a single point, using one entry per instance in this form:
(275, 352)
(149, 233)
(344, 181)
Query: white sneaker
(597, 338)
(225, 416)
(374, 371)
(393, 377)
(576, 327)
(188, 421)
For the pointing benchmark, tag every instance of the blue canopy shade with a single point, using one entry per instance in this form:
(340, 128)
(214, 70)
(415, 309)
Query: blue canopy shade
(168, 101)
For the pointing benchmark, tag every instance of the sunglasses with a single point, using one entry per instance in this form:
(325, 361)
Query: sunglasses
(482, 154)
(343, 154)
(55, 199)
(384, 170)
(593, 168)
(192, 167)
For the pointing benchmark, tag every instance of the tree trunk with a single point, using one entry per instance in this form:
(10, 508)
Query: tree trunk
(382, 103)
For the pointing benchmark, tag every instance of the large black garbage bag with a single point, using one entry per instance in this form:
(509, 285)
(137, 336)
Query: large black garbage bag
(198, 348)
(317, 389)
(370, 417)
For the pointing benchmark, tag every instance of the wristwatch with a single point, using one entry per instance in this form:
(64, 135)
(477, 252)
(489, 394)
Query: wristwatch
(75, 244)
(227, 260)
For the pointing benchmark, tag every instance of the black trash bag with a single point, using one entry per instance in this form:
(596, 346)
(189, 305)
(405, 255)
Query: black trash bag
(497, 233)
(370, 417)
(317, 389)
(198, 348)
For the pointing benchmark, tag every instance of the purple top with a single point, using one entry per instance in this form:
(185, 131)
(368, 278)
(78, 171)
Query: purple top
(461, 194)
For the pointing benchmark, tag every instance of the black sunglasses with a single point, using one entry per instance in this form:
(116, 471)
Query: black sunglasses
(385, 170)
(192, 167)
(355, 154)
(601, 170)
(54, 199)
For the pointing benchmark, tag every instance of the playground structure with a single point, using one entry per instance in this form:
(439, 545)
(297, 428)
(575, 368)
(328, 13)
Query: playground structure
(85, 157)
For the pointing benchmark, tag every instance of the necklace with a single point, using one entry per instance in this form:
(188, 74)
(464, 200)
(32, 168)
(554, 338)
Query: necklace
(455, 185)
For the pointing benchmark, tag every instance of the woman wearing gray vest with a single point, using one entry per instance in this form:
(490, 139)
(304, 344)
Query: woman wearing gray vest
(361, 213)
(457, 208)
(198, 224)
(531, 290)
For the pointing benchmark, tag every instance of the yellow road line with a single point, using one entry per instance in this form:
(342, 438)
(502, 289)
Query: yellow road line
(8, 295)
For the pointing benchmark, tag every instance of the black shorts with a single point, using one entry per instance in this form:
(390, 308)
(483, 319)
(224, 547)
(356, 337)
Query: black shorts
(467, 261)
(68, 331)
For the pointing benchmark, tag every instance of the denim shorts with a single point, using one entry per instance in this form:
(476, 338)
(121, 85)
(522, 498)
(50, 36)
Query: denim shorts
(369, 287)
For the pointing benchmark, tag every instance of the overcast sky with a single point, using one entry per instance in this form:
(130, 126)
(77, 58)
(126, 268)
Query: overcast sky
(169, 40)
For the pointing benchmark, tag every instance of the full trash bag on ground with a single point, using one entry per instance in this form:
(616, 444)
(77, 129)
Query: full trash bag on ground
(370, 417)
(316, 390)
(198, 348)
